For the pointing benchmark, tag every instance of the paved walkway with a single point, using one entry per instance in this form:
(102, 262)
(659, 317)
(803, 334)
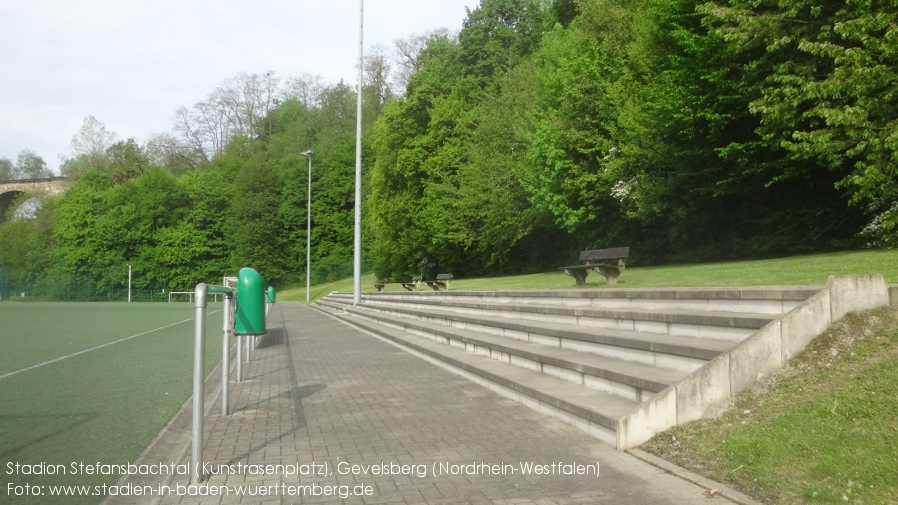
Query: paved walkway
(330, 414)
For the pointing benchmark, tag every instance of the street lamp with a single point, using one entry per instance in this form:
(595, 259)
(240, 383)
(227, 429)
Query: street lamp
(308, 154)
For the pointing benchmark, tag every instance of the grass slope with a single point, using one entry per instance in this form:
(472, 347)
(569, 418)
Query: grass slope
(822, 430)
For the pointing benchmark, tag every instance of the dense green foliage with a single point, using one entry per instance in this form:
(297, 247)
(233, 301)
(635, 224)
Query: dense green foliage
(686, 130)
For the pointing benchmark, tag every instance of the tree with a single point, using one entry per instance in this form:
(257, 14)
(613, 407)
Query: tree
(102, 227)
(79, 230)
(173, 154)
(825, 93)
(237, 108)
(31, 166)
(587, 118)
(127, 160)
(407, 137)
(28, 166)
(245, 100)
(202, 130)
(405, 56)
(564, 11)
(498, 34)
(377, 73)
(205, 255)
(89, 147)
(445, 197)
(5, 169)
(305, 88)
(254, 233)
(480, 214)
(142, 210)
(15, 236)
(185, 254)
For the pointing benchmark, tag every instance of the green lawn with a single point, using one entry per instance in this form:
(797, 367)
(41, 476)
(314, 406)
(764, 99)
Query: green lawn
(104, 405)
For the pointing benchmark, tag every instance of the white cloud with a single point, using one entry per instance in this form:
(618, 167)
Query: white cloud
(132, 64)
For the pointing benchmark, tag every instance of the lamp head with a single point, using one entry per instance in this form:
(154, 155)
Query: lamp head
(306, 153)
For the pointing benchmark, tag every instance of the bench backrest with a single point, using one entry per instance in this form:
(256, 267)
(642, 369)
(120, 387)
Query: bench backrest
(417, 278)
(444, 277)
(605, 254)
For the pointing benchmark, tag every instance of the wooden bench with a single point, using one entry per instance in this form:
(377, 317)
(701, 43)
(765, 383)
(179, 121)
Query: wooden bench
(413, 286)
(380, 285)
(595, 260)
(441, 283)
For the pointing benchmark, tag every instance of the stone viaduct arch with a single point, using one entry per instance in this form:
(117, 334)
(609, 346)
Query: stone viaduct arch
(10, 189)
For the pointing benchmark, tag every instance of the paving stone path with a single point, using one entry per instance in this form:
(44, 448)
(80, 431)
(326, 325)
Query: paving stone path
(353, 419)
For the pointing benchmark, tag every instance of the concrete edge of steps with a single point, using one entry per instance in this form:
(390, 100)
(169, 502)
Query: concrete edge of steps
(761, 354)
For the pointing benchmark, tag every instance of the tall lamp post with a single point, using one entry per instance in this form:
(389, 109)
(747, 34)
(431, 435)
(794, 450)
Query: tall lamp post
(308, 154)
(357, 256)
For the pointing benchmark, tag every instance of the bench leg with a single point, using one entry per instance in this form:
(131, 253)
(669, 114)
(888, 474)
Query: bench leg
(610, 272)
(578, 274)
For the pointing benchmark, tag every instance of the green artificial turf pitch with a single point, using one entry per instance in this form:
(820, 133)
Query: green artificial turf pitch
(91, 383)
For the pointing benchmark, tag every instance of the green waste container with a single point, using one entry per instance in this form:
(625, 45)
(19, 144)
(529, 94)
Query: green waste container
(249, 318)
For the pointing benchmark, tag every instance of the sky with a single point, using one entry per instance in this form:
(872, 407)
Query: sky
(131, 64)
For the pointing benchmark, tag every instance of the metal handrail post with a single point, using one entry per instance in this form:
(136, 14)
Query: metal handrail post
(199, 366)
(239, 358)
(225, 357)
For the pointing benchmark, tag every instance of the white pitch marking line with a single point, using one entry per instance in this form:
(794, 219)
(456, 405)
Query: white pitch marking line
(107, 344)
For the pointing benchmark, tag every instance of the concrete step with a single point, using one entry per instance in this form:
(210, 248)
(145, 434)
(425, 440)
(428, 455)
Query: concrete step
(719, 325)
(630, 380)
(762, 300)
(595, 412)
(676, 352)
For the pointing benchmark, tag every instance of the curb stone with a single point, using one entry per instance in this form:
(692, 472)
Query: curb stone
(713, 488)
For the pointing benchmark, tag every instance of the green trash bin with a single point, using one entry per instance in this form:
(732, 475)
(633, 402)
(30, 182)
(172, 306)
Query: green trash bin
(249, 318)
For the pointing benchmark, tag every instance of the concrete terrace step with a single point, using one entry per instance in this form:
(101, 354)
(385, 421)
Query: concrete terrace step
(679, 352)
(591, 358)
(621, 364)
(733, 326)
(631, 380)
(767, 300)
(593, 411)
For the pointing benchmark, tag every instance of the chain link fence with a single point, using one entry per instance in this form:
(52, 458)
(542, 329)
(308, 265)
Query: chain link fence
(69, 287)
(113, 287)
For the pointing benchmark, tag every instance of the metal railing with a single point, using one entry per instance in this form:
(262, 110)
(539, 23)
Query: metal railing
(229, 295)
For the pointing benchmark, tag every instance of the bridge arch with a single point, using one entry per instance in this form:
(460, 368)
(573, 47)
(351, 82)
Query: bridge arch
(12, 189)
(6, 200)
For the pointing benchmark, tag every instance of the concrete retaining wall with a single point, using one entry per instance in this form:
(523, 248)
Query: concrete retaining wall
(758, 355)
